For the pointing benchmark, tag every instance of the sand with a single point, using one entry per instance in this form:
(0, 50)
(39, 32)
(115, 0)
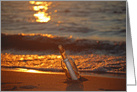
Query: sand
(22, 81)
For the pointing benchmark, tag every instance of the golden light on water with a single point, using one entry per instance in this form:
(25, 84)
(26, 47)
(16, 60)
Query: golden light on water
(44, 35)
(12, 57)
(37, 8)
(32, 2)
(36, 34)
(39, 61)
(41, 8)
(34, 63)
(42, 17)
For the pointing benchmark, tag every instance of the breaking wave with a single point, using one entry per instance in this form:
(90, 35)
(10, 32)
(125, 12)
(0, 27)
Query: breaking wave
(43, 42)
(85, 63)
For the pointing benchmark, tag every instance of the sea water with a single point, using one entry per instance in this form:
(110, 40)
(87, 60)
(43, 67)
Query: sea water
(93, 34)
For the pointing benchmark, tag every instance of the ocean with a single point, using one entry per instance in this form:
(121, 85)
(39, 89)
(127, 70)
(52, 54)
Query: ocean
(93, 33)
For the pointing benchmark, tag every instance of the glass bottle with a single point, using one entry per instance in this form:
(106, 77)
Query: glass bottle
(69, 67)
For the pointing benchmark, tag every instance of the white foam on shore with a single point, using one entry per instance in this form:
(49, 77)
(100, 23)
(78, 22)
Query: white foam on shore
(85, 63)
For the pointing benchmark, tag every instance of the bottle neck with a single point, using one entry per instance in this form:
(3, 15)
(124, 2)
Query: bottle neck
(62, 52)
(64, 56)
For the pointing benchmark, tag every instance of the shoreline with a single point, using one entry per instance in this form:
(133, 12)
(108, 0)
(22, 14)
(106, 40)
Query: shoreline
(97, 74)
(22, 81)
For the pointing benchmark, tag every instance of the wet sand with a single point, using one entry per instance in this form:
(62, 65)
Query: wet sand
(22, 81)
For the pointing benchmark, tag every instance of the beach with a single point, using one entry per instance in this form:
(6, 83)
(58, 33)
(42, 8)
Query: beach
(22, 81)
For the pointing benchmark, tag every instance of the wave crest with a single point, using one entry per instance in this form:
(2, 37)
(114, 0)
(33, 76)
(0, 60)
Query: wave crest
(38, 42)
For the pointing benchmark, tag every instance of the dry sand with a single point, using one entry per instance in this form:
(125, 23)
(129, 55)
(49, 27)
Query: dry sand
(22, 81)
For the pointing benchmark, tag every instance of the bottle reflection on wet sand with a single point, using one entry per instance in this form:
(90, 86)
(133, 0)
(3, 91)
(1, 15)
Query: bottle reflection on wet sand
(75, 85)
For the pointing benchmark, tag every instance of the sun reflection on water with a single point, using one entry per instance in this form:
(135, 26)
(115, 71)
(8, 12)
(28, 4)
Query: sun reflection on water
(37, 34)
(41, 8)
(91, 62)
